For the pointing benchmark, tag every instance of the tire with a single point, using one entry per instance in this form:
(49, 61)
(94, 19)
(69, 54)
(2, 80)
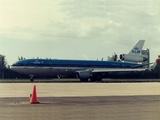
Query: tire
(84, 79)
(32, 80)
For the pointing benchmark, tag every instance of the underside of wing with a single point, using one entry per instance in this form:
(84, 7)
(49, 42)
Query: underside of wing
(118, 70)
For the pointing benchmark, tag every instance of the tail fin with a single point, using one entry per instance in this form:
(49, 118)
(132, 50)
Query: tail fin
(137, 48)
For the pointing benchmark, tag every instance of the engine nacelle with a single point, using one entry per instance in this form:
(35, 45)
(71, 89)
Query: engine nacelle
(83, 74)
(133, 58)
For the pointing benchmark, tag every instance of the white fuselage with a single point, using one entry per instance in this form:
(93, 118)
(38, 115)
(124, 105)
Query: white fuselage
(36, 70)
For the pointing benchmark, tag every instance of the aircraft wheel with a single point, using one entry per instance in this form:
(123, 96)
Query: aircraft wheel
(84, 80)
(99, 79)
(92, 79)
(32, 80)
(96, 78)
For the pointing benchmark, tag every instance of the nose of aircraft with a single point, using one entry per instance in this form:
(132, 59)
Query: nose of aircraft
(14, 68)
(11, 67)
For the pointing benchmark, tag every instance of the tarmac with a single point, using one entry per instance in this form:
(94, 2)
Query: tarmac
(77, 101)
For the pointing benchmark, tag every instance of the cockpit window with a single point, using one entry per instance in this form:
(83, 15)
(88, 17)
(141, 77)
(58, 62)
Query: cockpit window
(15, 63)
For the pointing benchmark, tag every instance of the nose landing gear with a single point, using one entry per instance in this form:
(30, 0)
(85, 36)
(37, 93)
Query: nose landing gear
(31, 78)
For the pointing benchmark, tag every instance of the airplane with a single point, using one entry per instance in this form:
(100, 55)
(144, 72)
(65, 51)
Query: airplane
(82, 69)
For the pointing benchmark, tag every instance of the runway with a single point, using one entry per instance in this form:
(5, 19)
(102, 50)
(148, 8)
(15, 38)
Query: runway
(70, 101)
(74, 80)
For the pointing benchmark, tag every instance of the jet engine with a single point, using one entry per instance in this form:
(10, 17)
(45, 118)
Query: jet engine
(133, 58)
(83, 74)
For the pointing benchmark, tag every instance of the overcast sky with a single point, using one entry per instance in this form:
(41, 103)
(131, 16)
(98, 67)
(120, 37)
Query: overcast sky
(77, 29)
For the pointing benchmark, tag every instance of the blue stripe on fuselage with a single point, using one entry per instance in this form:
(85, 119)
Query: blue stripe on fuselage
(73, 63)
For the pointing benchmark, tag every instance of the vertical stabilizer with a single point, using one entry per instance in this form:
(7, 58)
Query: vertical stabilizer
(137, 48)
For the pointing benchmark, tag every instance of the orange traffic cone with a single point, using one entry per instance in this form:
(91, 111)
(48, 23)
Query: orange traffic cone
(33, 96)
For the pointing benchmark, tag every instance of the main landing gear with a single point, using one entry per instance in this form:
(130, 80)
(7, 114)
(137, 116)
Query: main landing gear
(96, 78)
(84, 79)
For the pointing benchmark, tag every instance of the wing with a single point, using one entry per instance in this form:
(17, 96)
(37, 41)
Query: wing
(118, 70)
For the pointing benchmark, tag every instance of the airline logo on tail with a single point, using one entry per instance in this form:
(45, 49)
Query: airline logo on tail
(136, 50)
